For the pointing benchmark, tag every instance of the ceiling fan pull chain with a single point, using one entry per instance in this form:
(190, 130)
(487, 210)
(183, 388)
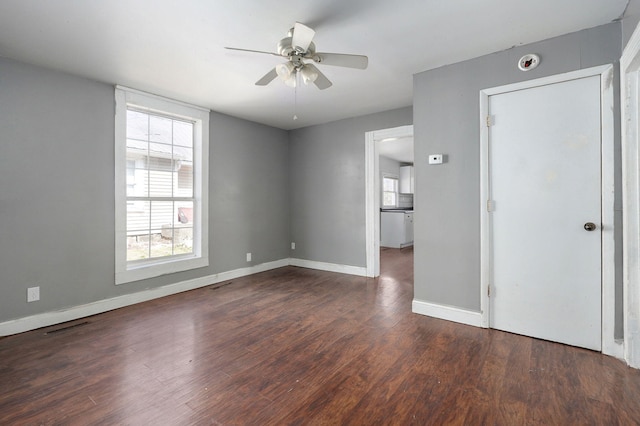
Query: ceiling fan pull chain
(295, 98)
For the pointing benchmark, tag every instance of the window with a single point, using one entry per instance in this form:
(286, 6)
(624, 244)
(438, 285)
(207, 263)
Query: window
(389, 191)
(161, 175)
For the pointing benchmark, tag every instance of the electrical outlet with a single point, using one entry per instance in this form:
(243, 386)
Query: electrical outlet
(248, 257)
(293, 246)
(33, 294)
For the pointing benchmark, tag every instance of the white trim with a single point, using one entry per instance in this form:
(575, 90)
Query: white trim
(609, 344)
(371, 200)
(161, 99)
(20, 325)
(33, 322)
(557, 78)
(445, 312)
(120, 190)
(485, 219)
(372, 192)
(629, 89)
(125, 272)
(330, 267)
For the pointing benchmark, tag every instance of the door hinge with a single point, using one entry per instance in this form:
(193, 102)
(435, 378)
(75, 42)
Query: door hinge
(490, 120)
(489, 290)
(490, 206)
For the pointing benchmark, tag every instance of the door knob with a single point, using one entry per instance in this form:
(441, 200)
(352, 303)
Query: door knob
(590, 226)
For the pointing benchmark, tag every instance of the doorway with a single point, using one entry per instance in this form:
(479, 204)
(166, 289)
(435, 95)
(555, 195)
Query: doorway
(373, 191)
(547, 273)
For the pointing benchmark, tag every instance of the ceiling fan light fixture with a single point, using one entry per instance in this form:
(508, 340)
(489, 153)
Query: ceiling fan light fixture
(308, 75)
(285, 71)
(292, 80)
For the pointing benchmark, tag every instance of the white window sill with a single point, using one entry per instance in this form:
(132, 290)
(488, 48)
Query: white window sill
(151, 270)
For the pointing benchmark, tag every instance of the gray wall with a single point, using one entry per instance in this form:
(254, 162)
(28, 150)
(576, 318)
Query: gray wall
(249, 193)
(630, 21)
(328, 187)
(57, 192)
(446, 120)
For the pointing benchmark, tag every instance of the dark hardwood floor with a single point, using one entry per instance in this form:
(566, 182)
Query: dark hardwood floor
(297, 346)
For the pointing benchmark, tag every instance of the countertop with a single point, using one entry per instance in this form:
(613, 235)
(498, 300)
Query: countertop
(398, 210)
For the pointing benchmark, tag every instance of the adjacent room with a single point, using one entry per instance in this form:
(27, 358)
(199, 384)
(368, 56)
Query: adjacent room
(322, 212)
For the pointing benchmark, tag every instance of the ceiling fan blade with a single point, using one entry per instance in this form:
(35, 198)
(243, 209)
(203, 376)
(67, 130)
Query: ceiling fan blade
(252, 51)
(322, 82)
(341, 60)
(302, 37)
(268, 78)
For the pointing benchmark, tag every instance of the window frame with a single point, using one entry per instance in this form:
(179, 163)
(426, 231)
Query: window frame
(128, 271)
(397, 190)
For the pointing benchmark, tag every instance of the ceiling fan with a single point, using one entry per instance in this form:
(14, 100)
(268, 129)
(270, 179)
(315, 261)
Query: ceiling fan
(300, 51)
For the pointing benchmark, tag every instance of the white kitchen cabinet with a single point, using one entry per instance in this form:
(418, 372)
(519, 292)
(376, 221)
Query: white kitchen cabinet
(406, 180)
(396, 229)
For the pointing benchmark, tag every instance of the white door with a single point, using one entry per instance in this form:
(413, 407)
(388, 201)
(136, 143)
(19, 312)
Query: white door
(545, 187)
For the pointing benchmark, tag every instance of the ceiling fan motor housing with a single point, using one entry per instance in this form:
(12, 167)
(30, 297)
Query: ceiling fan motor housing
(285, 48)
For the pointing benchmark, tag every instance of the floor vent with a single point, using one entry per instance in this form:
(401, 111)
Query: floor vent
(68, 327)
(217, 286)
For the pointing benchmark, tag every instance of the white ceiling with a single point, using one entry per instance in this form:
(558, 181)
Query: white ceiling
(176, 48)
(399, 149)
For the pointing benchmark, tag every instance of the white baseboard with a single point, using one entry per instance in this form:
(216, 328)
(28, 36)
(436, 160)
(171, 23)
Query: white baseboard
(614, 348)
(331, 267)
(33, 322)
(446, 312)
(46, 319)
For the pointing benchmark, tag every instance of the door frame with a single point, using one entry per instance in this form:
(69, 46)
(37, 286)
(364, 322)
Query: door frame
(630, 94)
(372, 192)
(609, 345)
